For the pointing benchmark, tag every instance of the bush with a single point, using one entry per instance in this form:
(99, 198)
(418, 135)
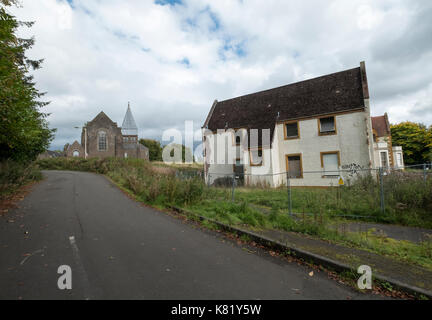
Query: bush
(15, 174)
(149, 183)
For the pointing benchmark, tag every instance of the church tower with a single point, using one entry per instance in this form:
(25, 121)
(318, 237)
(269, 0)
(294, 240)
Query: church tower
(129, 128)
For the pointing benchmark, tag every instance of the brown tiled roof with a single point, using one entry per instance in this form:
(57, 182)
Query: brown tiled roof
(381, 125)
(337, 92)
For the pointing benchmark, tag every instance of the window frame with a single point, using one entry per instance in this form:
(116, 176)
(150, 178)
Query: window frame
(328, 133)
(301, 163)
(285, 130)
(386, 159)
(98, 140)
(322, 154)
(399, 160)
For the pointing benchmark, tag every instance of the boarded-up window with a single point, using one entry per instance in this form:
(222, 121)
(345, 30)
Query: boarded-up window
(238, 167)
(294, 166)
(291, 130)
(384, 162)
(330, 163)
(327, 125)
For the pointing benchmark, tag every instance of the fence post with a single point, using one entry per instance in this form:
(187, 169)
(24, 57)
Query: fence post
(233, 187)
(382, 202)
(289, 194)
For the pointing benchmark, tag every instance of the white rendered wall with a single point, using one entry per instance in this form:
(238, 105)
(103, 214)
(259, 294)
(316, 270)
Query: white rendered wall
(350, 140)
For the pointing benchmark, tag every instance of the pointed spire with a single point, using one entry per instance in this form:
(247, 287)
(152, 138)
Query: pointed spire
(129, 126)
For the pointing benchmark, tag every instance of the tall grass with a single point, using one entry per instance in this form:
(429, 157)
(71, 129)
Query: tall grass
(151, 184)
(15, 174)
(407, 199)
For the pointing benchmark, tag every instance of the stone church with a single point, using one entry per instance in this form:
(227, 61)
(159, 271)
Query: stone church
(102, 138)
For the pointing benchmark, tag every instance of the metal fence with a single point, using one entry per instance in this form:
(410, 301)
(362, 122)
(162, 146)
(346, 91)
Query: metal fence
(358, 193)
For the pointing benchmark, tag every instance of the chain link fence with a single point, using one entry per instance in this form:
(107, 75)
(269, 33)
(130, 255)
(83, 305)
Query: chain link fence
(384, 194)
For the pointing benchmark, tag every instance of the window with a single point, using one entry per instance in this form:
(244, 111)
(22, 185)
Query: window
(256, 157)
(125, 155)
(294, 166)
(75, 153)
(291, 130)
(330, 162)
(384, 162)
(238, 167)
(399, 159)
(102, 141)
(327, 125)
(237, 140)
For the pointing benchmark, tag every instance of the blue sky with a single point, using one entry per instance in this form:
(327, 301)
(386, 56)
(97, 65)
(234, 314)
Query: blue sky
(172, 59)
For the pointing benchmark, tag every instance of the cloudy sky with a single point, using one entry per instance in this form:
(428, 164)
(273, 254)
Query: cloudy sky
(172, 59)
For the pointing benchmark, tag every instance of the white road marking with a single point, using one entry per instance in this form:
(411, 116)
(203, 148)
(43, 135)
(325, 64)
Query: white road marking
(31, 254)
(80, 268)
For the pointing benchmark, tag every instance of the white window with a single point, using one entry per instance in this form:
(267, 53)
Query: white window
(330, 163)
(399, 159)
(125, 155)
(75, 153)
(102, 141)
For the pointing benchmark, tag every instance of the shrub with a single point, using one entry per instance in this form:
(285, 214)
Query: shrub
(149, 183)
(15, 174)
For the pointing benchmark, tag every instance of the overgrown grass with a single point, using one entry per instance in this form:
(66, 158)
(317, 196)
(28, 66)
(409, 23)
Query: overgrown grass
(241, 214)
(153, 185)
(16, 174)
(408, 199)
(162, 186)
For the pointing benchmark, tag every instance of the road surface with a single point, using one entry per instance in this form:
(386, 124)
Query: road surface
(119, 249)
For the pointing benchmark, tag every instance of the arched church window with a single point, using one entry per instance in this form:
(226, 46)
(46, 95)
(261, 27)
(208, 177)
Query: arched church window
(102, 141)
(75, 153)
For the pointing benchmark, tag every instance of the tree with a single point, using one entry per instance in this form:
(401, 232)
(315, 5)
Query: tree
(24, 131)
(415, 139)
(155, 149)
(184, 151)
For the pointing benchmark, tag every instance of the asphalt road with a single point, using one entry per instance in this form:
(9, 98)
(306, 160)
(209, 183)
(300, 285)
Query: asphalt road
(119, 249)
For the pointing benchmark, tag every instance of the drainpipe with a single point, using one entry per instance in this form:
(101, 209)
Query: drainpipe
(85, 142)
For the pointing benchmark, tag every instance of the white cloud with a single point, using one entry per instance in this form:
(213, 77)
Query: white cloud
(171, 62)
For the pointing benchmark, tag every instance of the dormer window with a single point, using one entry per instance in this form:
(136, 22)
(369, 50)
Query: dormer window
(326, 126)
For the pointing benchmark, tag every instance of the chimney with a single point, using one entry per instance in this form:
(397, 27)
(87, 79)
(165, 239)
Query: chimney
(364, 80)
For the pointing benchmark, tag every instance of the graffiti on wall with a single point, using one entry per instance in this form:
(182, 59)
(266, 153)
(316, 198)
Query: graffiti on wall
(352, 168)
